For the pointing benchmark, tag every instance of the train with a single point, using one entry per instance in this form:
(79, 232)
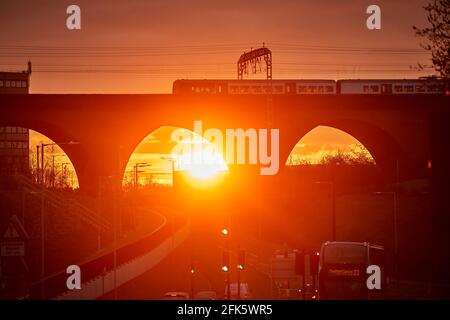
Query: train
(308, 87)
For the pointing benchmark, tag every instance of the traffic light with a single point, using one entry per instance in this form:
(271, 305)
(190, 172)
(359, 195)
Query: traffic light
(299, 263)
(314, 258)
(226, 261)
(241, 260)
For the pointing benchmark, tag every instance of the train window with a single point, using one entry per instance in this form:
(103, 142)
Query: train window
(420, 88)
(329, 89)
(386, 88)
(302, 89)
(219, 89)
(256, 89)
(7, 83)
(434, 88)
(1, 83)
(24, 84)
(268, 89)
(243, 89)
(409, 88)
(374, 88)
(233, 89)
(207, 89)
(290, 88)
(320, 89)
(13, 84)
(278, 89)
(312, 89)
(398, 88)
(366, 88)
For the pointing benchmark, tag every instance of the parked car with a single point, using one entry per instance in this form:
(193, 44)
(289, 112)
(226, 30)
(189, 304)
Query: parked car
(176, 296)
(206, 295)
(244, 294)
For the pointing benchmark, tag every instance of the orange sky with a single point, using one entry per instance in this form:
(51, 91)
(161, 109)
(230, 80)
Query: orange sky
(141, 46)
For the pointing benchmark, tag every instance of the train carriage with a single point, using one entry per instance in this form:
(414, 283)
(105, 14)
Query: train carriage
(311, 87)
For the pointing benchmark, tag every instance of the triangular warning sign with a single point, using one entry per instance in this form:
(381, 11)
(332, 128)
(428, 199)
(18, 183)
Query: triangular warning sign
(14, 230)
(11, 232)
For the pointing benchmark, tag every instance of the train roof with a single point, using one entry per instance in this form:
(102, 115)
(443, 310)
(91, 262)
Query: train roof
(389, 80)
(312, 80)
(256, 80)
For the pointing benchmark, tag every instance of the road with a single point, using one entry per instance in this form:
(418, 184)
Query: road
(204, 249)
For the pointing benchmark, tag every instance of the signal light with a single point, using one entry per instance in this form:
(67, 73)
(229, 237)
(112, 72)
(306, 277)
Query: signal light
(225, 231)
(241, 260)
(225, 261)
(315, 263)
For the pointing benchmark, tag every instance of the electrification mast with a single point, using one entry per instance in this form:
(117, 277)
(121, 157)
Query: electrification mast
(253, 60)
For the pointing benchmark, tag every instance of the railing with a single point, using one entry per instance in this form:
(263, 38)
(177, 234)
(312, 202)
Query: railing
(132, 259)
(79, 210)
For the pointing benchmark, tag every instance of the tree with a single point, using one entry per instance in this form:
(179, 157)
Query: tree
(438, 35)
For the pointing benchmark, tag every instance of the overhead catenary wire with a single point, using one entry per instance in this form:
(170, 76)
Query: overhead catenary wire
(283, 67)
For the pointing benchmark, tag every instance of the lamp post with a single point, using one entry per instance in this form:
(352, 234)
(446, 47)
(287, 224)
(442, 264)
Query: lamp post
(63, 164)
(37, 165)
(136, 171)
(24, 194)
(53, 167)
(395, 228)
(43, 145)
(172, 159)
(226, 266)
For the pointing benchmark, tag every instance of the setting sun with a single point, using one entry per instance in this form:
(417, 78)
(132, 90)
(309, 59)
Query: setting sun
(208, 166)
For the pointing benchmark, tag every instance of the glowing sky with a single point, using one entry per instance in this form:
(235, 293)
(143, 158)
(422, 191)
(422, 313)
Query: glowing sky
(141, 46)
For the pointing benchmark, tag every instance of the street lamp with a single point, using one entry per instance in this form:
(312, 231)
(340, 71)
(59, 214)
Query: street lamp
(63, 164)
(53, 167)
(172, 159)
(136, 171)
(43, 145)
(333, 206)
(394, 223)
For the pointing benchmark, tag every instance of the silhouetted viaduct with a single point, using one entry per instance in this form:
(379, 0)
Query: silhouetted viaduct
(109, 127)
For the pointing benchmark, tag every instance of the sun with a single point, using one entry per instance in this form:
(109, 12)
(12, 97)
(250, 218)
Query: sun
(202, 164)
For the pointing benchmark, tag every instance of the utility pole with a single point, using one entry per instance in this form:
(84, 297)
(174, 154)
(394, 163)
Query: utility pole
(136, 171)
(37, 166)
(63, 165)
(53, 168)
(42, 243)
(253, 59)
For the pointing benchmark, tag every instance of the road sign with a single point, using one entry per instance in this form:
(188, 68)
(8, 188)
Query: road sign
(14, 230)
(13, 239)
(13, 249)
